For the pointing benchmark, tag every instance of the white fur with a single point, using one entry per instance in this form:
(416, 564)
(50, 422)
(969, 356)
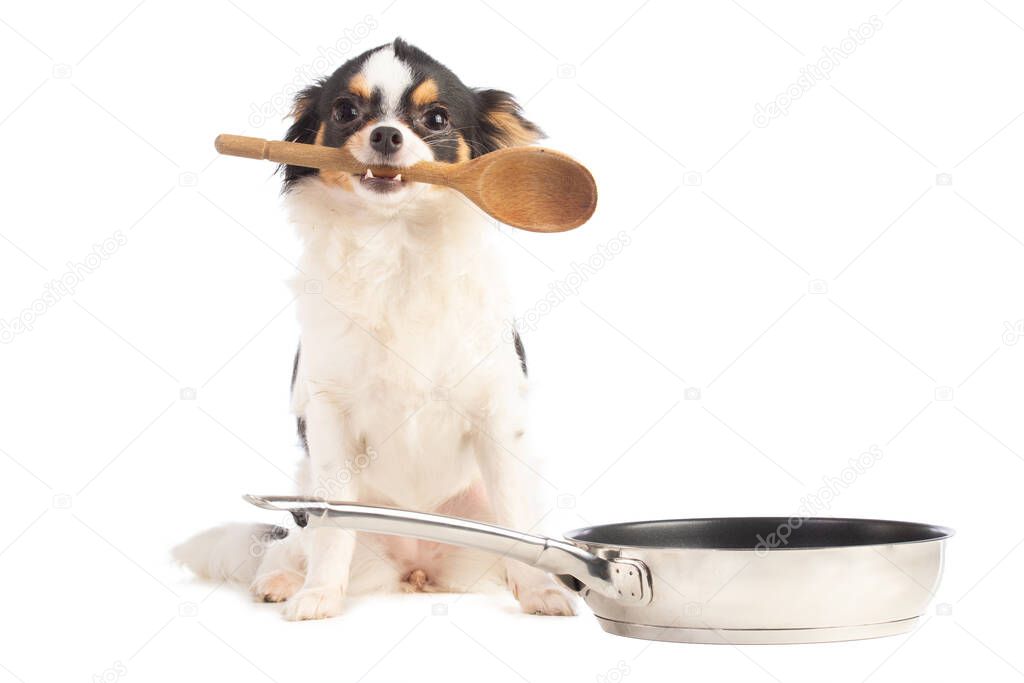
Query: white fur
(406, 362)
(385, 71)
(230, 552)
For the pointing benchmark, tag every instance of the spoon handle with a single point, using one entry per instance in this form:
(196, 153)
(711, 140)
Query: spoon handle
(328, 158)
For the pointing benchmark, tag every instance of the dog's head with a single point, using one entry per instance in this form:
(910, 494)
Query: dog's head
(393, 106)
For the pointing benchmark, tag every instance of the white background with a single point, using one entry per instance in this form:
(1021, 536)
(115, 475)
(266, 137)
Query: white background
(812, 279)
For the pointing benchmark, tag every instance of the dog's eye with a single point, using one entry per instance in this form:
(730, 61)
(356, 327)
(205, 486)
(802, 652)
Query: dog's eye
(345, 111)
(436, 119)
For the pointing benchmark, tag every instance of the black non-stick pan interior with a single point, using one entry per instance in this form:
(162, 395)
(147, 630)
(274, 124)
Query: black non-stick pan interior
(750, 533)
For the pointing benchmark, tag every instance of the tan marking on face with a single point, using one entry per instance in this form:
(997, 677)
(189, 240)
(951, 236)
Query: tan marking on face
(360, 86)
(513, 132)
(336, 179)
(425, 93)
(462, 152)
(320, 134)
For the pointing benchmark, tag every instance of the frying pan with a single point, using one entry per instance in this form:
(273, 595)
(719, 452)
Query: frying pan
(739, 580)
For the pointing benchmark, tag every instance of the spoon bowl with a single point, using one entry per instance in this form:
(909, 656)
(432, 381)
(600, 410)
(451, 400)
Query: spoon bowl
(535, 189)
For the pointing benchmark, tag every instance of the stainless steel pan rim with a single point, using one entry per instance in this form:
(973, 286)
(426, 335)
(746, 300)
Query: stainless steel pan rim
(742, 533)
(702, 581)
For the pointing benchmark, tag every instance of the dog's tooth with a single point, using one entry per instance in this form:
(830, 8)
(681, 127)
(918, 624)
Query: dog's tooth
(369, 174)
(398, 177)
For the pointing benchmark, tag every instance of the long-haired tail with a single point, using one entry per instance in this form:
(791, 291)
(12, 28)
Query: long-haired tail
(230, 552)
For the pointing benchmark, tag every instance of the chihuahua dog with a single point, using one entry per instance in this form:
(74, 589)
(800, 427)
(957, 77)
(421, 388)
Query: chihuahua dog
(409, 382)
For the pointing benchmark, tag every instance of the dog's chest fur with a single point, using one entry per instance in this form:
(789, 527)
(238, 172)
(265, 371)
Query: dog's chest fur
(403, 327)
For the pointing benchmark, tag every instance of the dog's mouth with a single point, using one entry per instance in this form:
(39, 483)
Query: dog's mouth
(383, 182)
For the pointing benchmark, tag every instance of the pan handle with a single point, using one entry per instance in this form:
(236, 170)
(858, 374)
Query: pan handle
(623, 579)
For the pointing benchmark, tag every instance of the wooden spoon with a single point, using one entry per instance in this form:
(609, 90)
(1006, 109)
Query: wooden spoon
(531, 188)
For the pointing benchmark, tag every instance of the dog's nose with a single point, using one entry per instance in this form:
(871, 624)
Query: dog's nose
(385, 139)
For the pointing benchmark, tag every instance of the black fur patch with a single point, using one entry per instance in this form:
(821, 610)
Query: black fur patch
(300, 422)
(303, 129)
(520, 351)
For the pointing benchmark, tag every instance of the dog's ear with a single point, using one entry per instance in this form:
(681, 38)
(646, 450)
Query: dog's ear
(501, 122)
(305, 114)
(305, 127)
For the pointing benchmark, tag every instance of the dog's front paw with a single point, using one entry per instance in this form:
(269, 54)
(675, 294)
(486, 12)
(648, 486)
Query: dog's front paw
(539, 594)
(276, 586)
(314, 603)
